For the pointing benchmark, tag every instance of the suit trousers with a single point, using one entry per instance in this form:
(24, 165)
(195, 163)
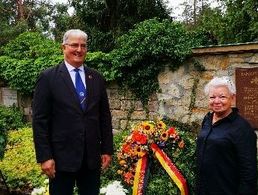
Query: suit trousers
(86, 180)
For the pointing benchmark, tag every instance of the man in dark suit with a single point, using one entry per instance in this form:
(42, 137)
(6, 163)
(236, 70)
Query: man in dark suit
(72, 130)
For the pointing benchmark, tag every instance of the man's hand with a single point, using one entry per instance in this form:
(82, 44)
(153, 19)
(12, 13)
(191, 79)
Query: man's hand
(105, 161)
(48, 167)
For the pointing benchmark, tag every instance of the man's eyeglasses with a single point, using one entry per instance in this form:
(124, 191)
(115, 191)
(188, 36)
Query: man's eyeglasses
(76, 45)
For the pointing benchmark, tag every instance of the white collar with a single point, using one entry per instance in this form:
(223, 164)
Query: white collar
(71, 68)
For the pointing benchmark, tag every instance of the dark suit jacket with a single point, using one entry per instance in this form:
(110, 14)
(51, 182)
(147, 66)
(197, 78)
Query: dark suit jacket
(61, 129)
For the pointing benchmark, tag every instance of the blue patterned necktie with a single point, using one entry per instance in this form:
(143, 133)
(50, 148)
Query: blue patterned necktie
(80, 89)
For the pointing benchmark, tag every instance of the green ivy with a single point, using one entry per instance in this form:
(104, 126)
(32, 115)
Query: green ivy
(25, 57)
(103, 63)
(143, 53)
(31, 45)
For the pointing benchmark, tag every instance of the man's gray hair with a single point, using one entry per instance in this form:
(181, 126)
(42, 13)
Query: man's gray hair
(74, 32)
(224, 81)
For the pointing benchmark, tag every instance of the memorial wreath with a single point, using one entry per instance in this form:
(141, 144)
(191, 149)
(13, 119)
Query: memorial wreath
(149, 138)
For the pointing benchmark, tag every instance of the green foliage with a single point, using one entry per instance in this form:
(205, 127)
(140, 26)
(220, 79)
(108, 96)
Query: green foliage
(7, 33)
(203, 37)
(210, 25)
(100, 41)
(111, 173)
(241, 21)
(10, 118)
(20, 16)
(105, 20)
(159, 181)
(19, 164)
(30, 45)
(235, 23)
(93, 18)
(103, 63)
(25, 57)
(63, 20)
(144, 51)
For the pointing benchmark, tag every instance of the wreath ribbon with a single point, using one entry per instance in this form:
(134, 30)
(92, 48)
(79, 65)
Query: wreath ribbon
(140, 178)
(167, 164)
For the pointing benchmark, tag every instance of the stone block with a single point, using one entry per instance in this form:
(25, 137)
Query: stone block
(115, 104)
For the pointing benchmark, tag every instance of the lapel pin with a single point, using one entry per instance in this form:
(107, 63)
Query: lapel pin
(90, 76)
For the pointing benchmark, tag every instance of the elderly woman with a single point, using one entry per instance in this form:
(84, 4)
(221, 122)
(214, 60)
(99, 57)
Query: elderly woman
(226, 146)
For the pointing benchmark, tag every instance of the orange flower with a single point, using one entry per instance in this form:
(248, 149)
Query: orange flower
(139, 138)
(171, 131)
(181, 144)
(128, 177)
(126, 148)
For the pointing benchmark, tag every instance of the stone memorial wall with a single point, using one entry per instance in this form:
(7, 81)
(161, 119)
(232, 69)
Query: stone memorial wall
(181, 95)
(9, 96)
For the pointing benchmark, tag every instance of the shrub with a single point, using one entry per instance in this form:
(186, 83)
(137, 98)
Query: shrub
(10, 118)
(19, 164)
(25, 57)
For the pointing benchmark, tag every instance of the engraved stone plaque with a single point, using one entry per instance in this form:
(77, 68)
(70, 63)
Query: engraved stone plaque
(247, 94)
(9, 96)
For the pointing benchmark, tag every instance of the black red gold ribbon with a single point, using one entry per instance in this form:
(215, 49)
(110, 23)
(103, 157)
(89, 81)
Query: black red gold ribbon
(140, 176)
(167, 164)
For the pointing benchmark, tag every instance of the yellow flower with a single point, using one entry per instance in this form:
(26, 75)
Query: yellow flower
(164, 136)
(161, 125)
(47, 192)
(139, 151)
(122, 162)
(147, 127)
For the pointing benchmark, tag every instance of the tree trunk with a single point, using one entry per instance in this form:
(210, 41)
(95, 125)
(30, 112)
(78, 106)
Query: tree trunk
(20, 10)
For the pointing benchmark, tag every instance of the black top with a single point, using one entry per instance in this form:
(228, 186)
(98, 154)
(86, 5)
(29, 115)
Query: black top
(226, 157)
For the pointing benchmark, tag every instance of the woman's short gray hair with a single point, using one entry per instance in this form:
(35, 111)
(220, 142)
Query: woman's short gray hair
(221, 81)
(74, 32)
